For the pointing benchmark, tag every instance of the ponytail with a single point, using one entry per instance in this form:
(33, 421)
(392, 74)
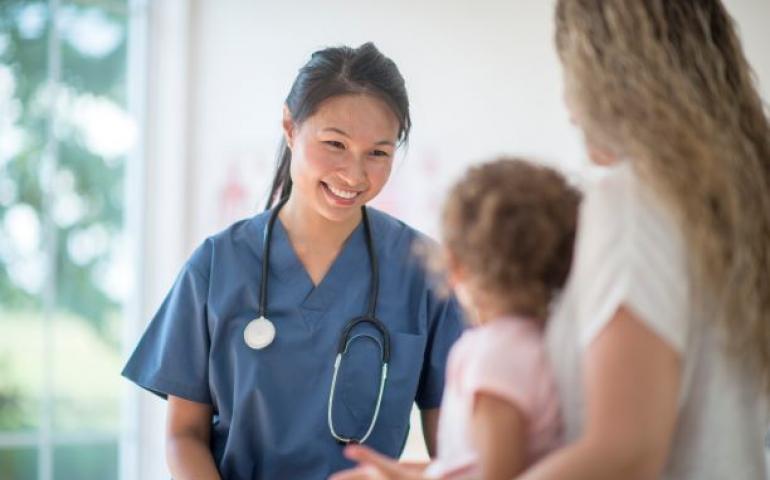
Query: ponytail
(281, 186)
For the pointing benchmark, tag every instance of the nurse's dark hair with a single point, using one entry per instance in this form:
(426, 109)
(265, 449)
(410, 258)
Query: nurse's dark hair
(339, 71)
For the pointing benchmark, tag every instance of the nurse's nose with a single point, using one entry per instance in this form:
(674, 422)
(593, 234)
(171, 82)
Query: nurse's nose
(353, 172)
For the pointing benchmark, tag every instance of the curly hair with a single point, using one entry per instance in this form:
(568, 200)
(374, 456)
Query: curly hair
(666, 84)
(510, 225)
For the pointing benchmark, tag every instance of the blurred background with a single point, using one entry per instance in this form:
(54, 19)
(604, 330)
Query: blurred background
(132, 129)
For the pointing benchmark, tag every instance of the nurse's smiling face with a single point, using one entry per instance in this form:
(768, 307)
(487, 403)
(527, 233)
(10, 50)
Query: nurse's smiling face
(341, 155)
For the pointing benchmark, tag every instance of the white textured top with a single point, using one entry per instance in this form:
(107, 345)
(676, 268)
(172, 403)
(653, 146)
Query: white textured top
(630, 251)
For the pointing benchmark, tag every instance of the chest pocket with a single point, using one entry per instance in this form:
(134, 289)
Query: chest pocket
(359, 381)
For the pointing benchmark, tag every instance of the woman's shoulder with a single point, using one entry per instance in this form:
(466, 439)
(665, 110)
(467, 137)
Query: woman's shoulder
(609, 191)
(620, 196)
(394, 235)
(622, 213)
(389, 224)
(407, 252)
(630, 250)
(243, 237)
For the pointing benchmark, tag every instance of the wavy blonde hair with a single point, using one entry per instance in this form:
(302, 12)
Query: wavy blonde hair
(666, 84)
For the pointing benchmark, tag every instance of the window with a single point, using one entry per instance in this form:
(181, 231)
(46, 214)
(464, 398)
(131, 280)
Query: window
(64, 138)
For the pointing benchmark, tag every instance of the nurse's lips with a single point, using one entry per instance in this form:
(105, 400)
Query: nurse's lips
(340, 196)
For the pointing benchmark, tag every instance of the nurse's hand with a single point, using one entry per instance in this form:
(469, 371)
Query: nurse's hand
(374, 466)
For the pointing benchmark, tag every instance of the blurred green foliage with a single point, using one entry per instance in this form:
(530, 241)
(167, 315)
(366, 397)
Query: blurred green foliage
(88, 188)
(97, 183)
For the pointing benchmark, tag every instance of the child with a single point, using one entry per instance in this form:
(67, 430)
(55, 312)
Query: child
(508, 233)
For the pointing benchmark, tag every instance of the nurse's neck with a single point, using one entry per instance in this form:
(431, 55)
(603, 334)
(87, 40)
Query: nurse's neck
(316, 239)
(304, 222)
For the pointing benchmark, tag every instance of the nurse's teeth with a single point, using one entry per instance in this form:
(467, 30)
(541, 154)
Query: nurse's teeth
(342, 193)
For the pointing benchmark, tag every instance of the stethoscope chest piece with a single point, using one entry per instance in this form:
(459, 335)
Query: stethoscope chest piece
(259, 333)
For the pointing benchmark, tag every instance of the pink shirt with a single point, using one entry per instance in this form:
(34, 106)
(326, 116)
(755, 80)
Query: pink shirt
(506, 358)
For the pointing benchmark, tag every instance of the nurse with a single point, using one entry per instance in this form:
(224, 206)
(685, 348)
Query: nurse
(311, 325)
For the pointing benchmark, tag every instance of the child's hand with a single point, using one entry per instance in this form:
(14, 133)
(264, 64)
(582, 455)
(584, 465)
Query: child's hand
(374, 466)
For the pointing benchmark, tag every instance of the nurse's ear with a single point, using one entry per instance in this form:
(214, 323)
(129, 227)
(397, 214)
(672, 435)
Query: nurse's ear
(288, 127)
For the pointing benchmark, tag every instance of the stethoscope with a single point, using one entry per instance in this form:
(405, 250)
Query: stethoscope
(260, 332)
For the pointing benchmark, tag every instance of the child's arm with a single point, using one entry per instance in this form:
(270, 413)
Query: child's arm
(376, 466)
(498, 429)
(188, 432)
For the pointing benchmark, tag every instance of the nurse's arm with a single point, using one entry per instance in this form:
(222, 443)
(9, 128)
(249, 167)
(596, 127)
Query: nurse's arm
(188, 431)
(430, 428)
(631, 387)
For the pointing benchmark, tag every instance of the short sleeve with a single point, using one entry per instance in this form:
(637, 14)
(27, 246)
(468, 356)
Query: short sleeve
(171, 358)
(630, 252)
(509, 363)
(445, 326)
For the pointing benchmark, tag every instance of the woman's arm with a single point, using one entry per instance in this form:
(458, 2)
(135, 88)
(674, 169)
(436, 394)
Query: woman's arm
(498, 432)
(430, 428)
(632, 379)
(188, 431)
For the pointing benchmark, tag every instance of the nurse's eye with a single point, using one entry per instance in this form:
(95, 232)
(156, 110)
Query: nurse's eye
(380, 153)
(335, 144)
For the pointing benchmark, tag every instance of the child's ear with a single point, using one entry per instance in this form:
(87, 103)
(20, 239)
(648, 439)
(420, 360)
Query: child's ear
(455, 272)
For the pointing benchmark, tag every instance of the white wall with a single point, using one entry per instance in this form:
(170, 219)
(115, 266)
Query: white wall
(483, 78)
(482, 75)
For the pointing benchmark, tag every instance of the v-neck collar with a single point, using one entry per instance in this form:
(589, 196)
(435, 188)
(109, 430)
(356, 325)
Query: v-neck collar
(351, 262)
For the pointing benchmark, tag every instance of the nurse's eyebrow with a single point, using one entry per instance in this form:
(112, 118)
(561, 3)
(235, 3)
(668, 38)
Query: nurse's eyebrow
(343, 133)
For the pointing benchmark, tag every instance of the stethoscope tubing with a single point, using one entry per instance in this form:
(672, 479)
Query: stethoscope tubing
(345, 338)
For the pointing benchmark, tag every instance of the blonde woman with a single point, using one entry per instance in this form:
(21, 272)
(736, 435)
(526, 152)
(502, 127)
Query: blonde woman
(661, 341)
(661, 345)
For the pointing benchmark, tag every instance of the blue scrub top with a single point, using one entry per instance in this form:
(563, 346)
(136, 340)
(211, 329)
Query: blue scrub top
(270, 405)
